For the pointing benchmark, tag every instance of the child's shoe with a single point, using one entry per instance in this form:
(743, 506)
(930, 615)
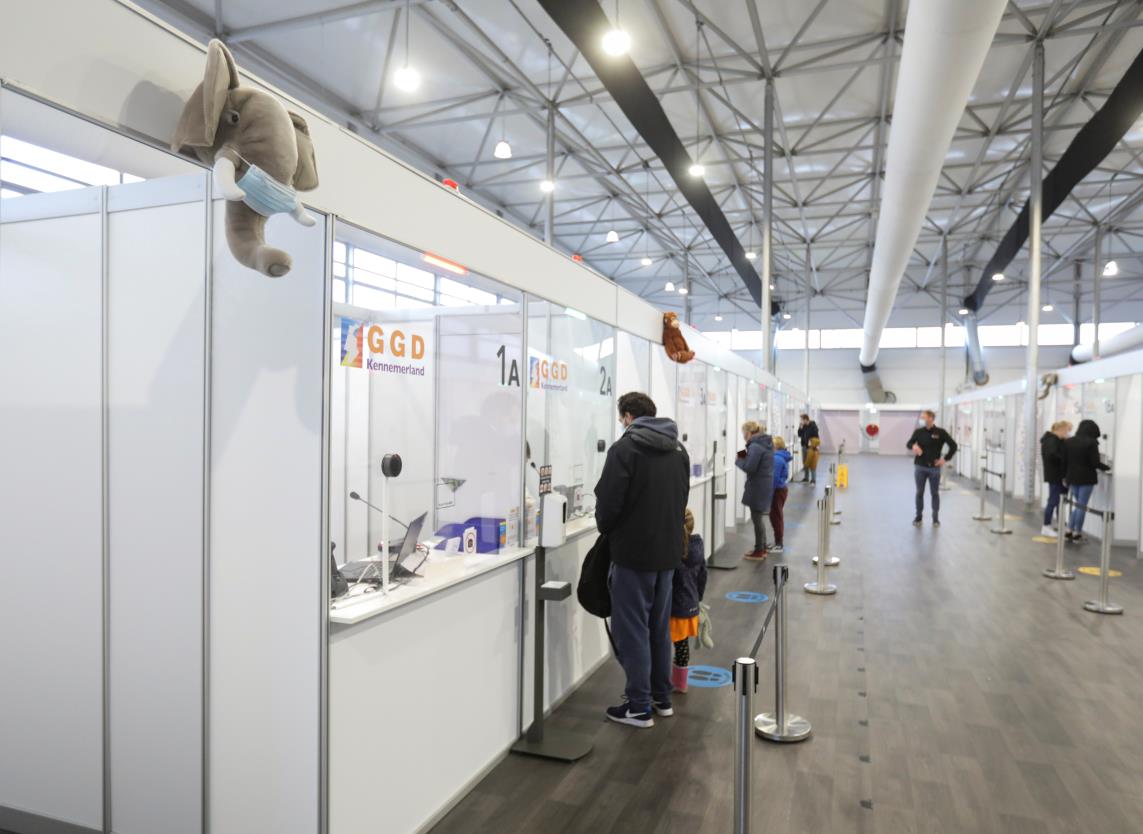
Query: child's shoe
(679, 677)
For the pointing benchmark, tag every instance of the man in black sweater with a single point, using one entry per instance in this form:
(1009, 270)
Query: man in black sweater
(640, 501)
(927, 445)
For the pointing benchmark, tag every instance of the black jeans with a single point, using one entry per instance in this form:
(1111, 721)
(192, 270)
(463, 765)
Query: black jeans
(932, 474)
(756, 517)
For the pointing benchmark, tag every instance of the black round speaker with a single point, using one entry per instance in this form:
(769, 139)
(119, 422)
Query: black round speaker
(391, 465)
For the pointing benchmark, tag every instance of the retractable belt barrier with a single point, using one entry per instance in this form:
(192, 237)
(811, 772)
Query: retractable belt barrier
(835, 479)
(1103, 605)
(823, 559)
(777, 726)
(1002, 530)
(981, 516)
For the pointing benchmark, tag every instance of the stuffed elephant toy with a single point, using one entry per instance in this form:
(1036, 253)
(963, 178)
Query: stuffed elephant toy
(261, 155)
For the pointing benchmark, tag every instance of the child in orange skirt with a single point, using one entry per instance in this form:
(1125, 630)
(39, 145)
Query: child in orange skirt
(689, 585)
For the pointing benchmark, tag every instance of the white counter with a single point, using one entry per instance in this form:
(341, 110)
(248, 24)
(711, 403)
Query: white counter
(440, 572)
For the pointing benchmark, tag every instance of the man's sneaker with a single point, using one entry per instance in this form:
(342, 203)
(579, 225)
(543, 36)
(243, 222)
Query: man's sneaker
(663, 709)
(776, 549)
(756, 556)
(936, 522)
(1079, 538)
(916, 522)
(624, 714)
(1048, 531)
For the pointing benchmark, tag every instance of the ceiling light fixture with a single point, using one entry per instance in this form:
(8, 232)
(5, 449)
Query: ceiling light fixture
(786, 316)
(616, 42)
(613, 236)
(1110, 269)
(683, 290)
(1047, 308)
(963, 311)
(502, 150)
(751, 255)
(406, 77)
(436, 260)
(998, 276)
(670, 287)
(645, 261)
(718, 316)
(547, 186)
(697, 169)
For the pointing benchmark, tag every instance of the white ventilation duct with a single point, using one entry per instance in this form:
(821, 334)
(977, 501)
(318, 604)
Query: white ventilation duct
(945, 45)
(1125, 341)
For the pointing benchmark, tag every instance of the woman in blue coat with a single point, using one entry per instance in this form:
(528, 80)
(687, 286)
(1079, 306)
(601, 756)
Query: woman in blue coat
(757, 461)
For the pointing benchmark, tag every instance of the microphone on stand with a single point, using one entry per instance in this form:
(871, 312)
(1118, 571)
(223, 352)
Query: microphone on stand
(357, 497)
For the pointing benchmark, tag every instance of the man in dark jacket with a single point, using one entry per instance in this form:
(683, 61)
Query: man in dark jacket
(807, 431)
(640, 501)
(1083, 466)
(928, 447)
(1055, 464)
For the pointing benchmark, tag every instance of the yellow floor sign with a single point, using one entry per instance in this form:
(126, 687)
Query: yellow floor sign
(843, 476)
(1093, 570)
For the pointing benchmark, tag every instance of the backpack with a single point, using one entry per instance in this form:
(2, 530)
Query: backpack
(592, 591)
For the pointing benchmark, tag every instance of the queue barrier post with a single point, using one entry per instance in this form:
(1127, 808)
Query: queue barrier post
(833, 471)
(1002, 529)
(1103, 605)
(982, 514)
(780, 725)
(745, 685)
(1059, 571)
(830, 497)
(821, 587)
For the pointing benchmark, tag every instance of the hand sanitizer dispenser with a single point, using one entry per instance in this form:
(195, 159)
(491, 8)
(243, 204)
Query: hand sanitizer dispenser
(553, 519)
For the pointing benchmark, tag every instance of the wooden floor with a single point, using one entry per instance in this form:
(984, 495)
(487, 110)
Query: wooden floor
(950, 687)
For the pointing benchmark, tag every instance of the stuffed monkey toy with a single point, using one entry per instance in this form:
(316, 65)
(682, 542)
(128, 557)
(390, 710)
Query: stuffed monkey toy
(260, 152)
(674, 342)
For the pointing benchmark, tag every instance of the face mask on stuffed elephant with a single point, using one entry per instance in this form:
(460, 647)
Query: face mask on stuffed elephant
(260, 152)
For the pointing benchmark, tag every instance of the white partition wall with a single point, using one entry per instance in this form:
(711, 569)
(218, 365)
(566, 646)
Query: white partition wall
(266, 538)
(51, 479)
(156, 430)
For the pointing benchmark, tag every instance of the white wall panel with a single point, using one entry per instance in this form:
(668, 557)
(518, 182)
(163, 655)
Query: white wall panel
(266, 547)
(157, 316)
(421, 700)
(51, 703)
(664, 382)
(1125, 465)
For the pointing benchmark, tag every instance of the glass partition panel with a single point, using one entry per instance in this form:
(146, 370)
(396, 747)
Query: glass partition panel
(632, 368)
(1099, 405)
(571, 404)
(717, 433)
(692, 416)
(426, 365)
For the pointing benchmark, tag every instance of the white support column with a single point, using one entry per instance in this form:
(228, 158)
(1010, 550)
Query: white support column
(1097, 264)
(767, 221)
(944, 318)
(809, 299)
(550, 202)
(1036, 203)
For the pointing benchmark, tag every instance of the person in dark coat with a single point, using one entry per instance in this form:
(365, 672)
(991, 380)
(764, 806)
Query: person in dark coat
(807, 431)
(689, 587)
(640, 500)
(1082, 473)
(757, 461)
(1055, 464)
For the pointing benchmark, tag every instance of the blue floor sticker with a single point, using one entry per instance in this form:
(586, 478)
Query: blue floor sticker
(746, 596)
(708, 677)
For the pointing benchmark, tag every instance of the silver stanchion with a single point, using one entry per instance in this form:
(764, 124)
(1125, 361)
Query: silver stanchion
(781, 725)
(1002, 530)
(1059, 571)
(1103, 605)
(745, 685)
(832, 492)
(982, 515)
(822, 559)
(830, 497)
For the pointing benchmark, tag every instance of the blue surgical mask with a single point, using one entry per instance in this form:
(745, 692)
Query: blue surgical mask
(266, 195)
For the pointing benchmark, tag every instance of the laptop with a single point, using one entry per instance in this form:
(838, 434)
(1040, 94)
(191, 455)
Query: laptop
(404, 566)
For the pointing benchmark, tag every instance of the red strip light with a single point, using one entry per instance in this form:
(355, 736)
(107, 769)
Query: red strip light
(450, 183)
(443, 264)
